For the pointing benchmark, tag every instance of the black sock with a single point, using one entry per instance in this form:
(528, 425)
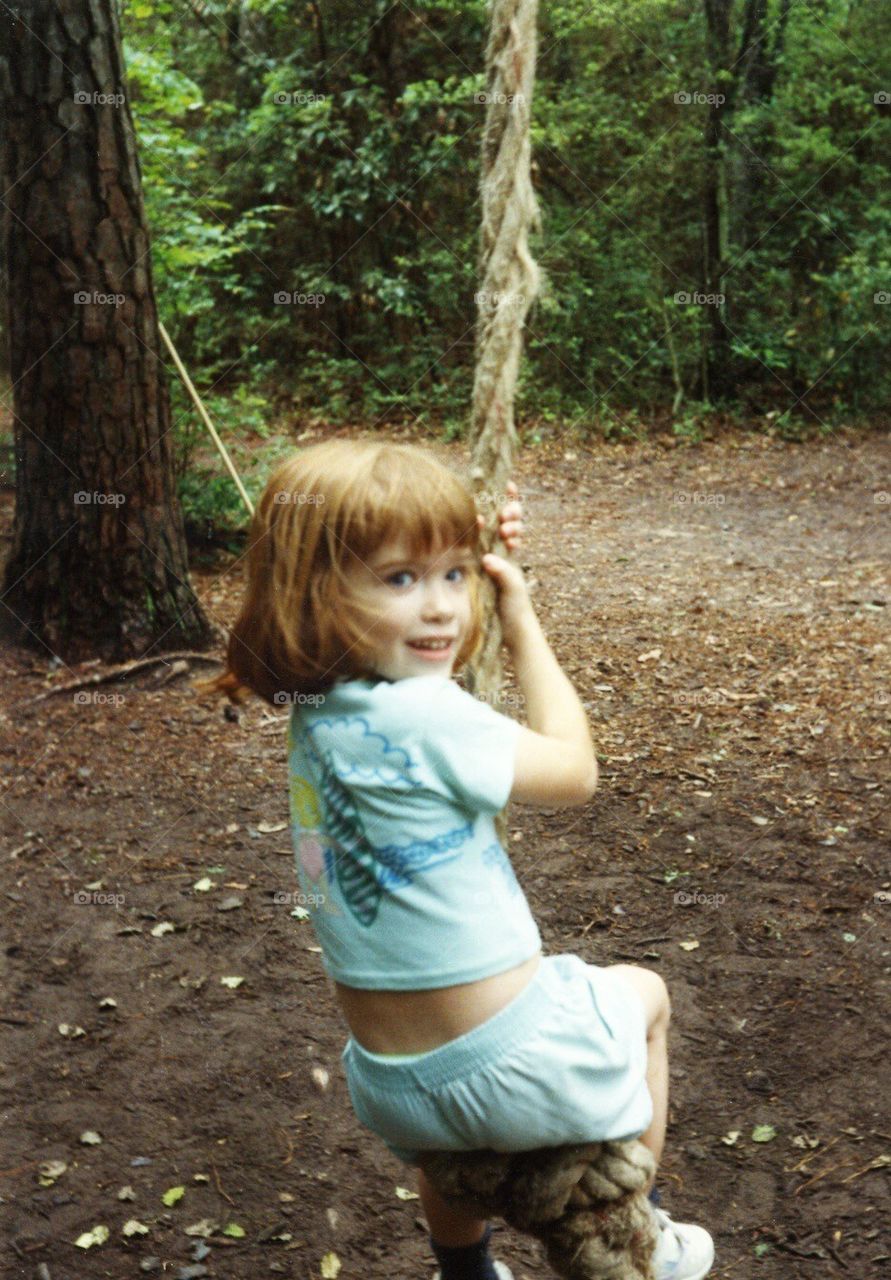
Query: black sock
(466, 1262)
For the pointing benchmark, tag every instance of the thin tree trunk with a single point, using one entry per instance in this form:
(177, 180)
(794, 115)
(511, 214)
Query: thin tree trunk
(759, 64)
(98, 563)
(715, 199)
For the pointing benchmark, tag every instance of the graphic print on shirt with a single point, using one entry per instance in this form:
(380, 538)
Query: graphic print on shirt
(365, 872)
(312, 847)
(494, 856)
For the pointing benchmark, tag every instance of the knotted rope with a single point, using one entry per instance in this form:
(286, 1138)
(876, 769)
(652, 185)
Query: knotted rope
(586, 1203)
(509, 279)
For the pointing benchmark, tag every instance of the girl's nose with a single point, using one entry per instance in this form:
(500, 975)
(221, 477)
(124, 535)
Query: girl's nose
(436, 600)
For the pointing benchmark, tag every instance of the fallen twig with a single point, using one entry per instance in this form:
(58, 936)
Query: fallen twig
(818, 1151)
(124, 669)
(216, 1178)
(878, 1162)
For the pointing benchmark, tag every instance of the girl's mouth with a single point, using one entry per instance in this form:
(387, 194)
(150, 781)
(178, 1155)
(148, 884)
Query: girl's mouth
(430, 652)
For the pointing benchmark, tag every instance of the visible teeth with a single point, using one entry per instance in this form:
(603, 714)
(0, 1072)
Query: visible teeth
(431, 644)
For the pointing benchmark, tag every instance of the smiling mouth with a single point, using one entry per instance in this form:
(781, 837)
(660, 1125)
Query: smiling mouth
(430, 646)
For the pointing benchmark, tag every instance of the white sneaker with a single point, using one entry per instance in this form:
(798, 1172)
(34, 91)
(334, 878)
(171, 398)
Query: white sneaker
(683, 1251)
(502, 1270)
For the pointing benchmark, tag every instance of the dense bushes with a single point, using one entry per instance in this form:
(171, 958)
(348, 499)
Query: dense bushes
(331, 151)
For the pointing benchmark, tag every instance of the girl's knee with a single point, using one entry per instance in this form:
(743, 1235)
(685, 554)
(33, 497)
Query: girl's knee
(652, 990)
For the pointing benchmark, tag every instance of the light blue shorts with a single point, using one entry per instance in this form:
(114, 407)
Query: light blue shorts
(565, 1061)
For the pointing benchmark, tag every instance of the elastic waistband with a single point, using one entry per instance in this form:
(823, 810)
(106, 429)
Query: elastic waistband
(500, 1034)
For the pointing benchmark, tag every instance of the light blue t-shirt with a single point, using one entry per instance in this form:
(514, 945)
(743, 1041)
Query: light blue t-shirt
(393, 790)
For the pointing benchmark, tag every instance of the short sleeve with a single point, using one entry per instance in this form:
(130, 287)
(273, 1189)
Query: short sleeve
(467, 746)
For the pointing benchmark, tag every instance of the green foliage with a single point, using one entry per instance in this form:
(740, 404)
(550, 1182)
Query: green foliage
(334, 150)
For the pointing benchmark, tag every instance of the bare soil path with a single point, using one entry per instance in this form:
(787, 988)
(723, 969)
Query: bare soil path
(723, 609)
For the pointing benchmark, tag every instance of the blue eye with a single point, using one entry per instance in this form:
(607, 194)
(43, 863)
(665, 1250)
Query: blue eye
(393, 578)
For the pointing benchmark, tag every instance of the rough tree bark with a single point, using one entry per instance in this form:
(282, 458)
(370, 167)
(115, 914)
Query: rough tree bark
(98, 565)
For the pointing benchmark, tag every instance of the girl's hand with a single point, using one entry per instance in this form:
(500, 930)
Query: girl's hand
(515, 608)
(514, 605)
(510, 518)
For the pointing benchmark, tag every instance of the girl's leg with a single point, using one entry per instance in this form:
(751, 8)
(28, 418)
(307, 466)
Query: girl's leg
(654, 993)
(448, 1226)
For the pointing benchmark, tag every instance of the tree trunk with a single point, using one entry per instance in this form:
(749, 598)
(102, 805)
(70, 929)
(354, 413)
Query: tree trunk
(718, 359)
(759, 64)
(98, 564)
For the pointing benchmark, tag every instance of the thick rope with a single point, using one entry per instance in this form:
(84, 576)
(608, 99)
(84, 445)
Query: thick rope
(509, 280)
(586, 1203)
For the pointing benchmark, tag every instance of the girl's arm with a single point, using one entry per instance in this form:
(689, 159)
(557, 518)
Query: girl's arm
(555, 760)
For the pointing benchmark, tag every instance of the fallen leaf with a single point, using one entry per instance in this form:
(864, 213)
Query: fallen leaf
(98, 1235)
(320, 1078)
(763, 1133)
(172, 1195)
(203, 884)
(206, 1227)
(164, 927)
(232, 982)
(50, 1170)
(404, 1194)
(126, 1193)
(108, 1002)
(233, 1229)
(90, 1137)
(689, 946)
(330, 1266)
(133, 1227)
(66, 1030)
(269, 828)
(730, 1138)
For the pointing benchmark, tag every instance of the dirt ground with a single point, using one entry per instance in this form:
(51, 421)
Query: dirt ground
(723, 609)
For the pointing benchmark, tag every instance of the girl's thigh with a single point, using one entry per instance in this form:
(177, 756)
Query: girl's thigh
(651, 988)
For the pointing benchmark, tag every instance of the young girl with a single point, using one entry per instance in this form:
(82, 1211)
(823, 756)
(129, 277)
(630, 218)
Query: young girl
(362, 603)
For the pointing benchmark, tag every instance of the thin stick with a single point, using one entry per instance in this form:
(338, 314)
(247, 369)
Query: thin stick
(216, 1178)
(207, 422)
(126, 669)
(811, 1155)
(822, 1174)
(879, 1162)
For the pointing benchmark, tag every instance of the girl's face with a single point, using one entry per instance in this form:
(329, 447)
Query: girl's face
(423, 607)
